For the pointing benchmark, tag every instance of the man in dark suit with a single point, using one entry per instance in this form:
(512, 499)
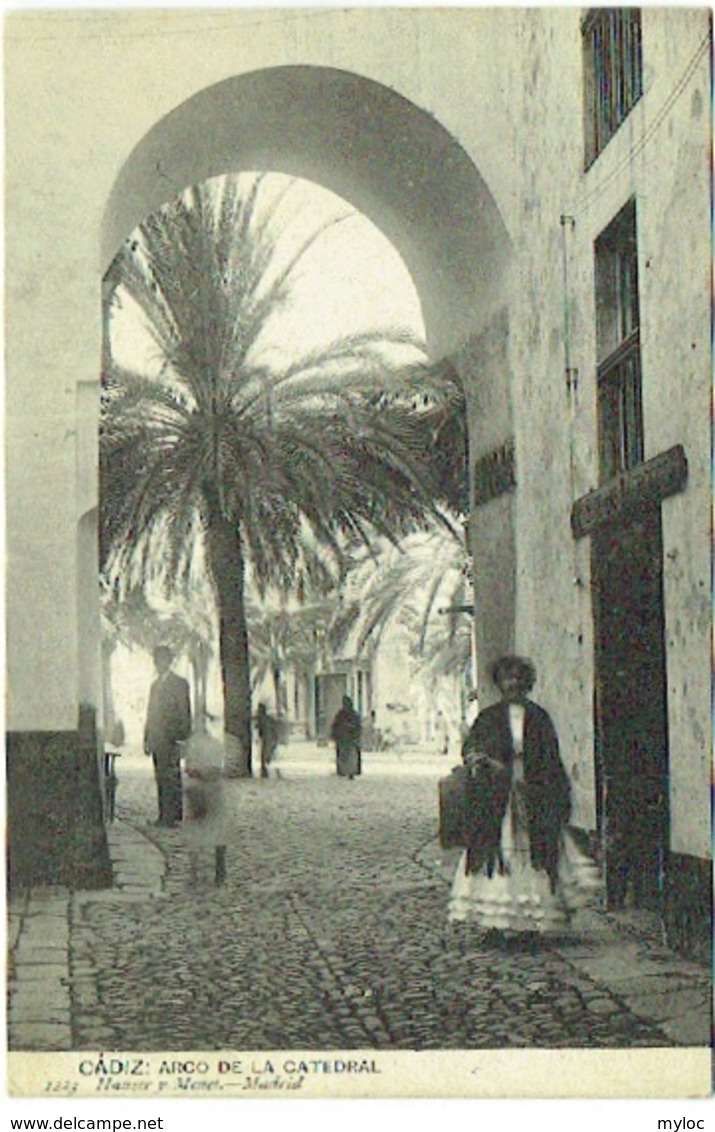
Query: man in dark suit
(168, 721)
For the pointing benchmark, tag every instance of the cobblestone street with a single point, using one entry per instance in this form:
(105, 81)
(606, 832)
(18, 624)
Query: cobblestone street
(330, 934)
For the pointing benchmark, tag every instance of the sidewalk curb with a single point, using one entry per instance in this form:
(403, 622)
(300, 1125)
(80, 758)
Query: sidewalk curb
(45, 978)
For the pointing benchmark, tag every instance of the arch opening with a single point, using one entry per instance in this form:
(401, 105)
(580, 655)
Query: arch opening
(388, 158)
(397, 166)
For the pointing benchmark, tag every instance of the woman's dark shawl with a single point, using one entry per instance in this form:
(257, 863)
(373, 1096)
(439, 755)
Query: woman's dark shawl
(346, 727)
(546, 787)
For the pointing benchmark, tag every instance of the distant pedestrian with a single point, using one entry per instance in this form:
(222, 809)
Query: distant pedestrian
(168, 722)
(521, 872)
(205, 801)
(441, 734)
(267, 727)
(369, 733)
(345, 730)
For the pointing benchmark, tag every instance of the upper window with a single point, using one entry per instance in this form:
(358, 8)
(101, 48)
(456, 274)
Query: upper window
(620, 411)
(613, 72)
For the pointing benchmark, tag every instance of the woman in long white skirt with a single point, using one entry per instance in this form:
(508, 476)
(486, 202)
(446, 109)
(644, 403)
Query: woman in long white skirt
(522, 871)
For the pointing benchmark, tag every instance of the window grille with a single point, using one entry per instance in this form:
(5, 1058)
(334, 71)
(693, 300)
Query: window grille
(613, 72)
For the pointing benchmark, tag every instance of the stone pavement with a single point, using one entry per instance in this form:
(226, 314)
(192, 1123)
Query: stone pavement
(47, 978)
(329, 934)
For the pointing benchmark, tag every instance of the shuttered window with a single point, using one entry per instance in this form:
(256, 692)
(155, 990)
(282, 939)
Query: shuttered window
(620, 410)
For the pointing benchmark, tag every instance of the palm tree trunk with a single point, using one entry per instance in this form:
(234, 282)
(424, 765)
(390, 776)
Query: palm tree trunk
(197, 674)
(277, 691)
(203, 674)
(226, 561)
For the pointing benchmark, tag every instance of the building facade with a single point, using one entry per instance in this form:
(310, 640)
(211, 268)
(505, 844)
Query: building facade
(544, 174)
(610, 354)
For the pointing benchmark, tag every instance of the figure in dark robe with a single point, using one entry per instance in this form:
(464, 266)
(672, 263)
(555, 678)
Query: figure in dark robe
(346, 732)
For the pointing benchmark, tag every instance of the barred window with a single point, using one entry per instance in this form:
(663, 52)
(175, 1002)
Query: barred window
(620, 410)
(613, 72)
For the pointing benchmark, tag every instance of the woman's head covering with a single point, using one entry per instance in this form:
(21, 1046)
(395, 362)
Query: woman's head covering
(518, 666)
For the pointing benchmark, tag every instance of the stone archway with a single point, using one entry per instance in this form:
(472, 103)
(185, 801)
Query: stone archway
(397, 165)
(391, 160)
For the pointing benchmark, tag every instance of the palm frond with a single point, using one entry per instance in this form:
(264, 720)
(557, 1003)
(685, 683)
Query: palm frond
(345, 446)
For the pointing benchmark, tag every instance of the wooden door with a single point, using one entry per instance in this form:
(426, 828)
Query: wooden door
(631, 708)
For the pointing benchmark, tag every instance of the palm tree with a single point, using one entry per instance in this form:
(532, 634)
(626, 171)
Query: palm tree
(282, 635)
(268, 466)
(423, 584)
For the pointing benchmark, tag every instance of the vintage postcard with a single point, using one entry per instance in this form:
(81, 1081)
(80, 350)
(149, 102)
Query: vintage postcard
(358, 369)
